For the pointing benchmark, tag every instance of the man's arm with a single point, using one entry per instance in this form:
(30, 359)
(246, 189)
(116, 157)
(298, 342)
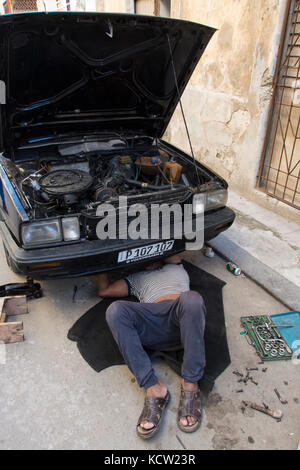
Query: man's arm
(175, 259)
(111, 289)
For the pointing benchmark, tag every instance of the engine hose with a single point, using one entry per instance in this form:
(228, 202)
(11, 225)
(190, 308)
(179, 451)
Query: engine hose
(139, 184)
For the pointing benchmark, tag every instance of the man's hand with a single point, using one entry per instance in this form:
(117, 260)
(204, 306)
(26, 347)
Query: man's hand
(111, 289)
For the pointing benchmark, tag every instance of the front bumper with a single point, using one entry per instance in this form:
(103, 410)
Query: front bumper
(94, 256)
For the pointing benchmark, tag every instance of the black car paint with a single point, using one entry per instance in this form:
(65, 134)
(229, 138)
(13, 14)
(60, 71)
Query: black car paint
(94, 256)
(62, 71)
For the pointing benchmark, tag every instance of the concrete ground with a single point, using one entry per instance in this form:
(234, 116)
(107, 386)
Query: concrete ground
(266, 246)
(51, 399)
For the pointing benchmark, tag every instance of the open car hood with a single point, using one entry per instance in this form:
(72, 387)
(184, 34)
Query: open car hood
(80, 72)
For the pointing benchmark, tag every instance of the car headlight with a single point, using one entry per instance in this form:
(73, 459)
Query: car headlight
(199, 203)
(70, 228)
(215, 199)
(210, 200)
(39, 233)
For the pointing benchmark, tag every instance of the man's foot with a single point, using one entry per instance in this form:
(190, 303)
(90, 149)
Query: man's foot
(157, 398)
(159, 390)
(190, 407)
(188, 387)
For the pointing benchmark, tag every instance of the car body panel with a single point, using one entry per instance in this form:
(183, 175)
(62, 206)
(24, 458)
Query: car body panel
(94, 256)
(63, 71)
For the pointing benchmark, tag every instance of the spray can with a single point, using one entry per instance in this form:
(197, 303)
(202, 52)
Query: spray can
(234, 269)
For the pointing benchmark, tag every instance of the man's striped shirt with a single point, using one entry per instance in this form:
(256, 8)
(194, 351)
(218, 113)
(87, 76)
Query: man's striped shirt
(149, 286)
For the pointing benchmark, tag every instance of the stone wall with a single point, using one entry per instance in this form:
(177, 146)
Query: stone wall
(227, 99)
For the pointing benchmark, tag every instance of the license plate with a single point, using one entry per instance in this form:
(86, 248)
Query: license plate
(143, 252)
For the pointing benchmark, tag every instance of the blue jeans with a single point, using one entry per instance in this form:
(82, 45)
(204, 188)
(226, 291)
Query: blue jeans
(161, 326)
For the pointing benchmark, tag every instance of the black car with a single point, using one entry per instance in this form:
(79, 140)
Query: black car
(85, 100)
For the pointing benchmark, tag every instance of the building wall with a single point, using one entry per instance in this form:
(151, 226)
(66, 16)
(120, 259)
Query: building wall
(227, 100)
(144, 7)
(147, 7)
(122, 6)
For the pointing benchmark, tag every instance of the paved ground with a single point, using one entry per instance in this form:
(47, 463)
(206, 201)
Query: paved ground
(51, 399)
(266, 246)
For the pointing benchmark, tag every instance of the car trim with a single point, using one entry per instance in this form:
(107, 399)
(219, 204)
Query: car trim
(13, 195)
(93, 247)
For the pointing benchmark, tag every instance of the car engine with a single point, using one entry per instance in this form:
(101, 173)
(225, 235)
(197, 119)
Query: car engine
(73, 180)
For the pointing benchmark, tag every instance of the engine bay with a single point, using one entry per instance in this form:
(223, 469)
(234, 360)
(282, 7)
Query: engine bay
(72, 178)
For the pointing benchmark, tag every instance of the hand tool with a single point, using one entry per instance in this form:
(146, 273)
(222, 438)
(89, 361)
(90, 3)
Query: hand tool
(276, 414)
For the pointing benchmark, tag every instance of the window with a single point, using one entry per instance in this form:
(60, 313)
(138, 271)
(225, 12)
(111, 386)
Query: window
(20, 6)
(279, 173)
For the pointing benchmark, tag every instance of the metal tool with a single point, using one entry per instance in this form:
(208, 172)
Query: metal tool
(74, 293)
(282, 326)
(283, 402)
(267, 339)
(29, 288)
(276, 414)
(273, 342)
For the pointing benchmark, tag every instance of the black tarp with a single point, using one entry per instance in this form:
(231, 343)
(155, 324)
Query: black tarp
(99, 349)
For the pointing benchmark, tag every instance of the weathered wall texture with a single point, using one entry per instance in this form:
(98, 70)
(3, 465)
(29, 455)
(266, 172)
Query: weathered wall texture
(228, 96)
(123, 6)
(144, 7)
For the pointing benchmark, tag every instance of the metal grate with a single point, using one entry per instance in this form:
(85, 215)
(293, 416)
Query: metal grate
(24, 5)
(279, 173)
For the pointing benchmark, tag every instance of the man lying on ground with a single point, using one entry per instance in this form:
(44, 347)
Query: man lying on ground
(169, 315)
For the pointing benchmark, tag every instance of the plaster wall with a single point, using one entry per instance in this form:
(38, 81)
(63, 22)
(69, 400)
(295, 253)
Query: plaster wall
(122, 6)
(227, 100)
(144, 7)
(147, 7)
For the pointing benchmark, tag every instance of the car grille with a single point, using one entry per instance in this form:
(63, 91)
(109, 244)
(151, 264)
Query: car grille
(156, 227)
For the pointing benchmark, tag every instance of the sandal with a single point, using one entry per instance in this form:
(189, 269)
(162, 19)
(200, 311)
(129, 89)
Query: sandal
(190, 404)
(152, 411)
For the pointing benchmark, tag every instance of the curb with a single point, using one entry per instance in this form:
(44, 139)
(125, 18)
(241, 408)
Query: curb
(271, 280)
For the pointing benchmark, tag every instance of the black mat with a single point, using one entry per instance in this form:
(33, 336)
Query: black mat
(98, 347)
